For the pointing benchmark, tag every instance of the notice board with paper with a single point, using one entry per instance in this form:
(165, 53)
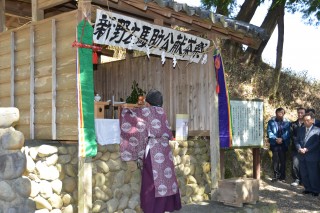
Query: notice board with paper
(182, 123)
(247, 123)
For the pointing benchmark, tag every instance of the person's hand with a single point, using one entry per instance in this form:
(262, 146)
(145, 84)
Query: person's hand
(279, 140)
(305, 150)
(302, 151)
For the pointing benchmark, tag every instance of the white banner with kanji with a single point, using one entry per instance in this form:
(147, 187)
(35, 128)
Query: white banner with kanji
(119, 30)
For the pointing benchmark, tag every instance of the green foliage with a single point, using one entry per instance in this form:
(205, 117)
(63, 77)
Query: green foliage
(223, 7)
(135, 93)
(310, 10)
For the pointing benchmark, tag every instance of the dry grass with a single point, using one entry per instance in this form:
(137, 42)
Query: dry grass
(254, 82)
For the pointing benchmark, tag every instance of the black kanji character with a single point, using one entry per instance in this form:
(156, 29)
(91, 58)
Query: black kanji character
(144, 36)
(189, 48)
(177, 46)
(121, 30)
(167, 40)
(134, 29)
(102, 27)
(156, 37)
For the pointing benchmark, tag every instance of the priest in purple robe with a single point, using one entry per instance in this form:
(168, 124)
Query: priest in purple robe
(145, 134)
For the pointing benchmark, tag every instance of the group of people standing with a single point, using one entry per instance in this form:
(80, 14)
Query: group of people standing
(303, 135)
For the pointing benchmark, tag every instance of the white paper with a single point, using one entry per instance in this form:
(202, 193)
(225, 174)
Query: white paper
(107, 131)
(182, 122)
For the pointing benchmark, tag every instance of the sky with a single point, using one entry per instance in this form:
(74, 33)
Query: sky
(301, 42)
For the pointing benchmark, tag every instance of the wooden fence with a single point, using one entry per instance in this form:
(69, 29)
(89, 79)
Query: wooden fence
(38, 76)
(185, 88)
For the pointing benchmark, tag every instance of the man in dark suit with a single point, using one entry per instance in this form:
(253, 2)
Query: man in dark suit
(316, 122)
(295, 172)
(308, 146)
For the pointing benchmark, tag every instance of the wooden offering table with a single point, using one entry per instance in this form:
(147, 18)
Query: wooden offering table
(99, 107)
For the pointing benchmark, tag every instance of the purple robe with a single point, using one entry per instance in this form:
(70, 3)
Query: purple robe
(149, 125)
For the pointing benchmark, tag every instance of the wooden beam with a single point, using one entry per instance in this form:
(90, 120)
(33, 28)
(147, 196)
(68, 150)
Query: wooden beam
(45, 4)
(202, 24)
(20, 9)
(14, 22)
(37, 14)
(205, 133)
(158, 22)
(182, 18)
(160, 12)
(2, 16)
(107, 52)
(140, 6)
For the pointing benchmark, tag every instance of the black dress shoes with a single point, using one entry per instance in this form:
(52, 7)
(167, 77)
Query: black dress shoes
(282, 180)
(306, 192)
(315, 194)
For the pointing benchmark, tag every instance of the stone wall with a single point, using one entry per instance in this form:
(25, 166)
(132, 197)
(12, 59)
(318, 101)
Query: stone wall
(35, 176)
(116, 184)
(41, 176)
(14, 188)
(53, 172)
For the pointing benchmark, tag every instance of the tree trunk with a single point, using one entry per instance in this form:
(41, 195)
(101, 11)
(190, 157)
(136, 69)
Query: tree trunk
(222, 6)
(248, 8)
(278, 67)
(269, 24)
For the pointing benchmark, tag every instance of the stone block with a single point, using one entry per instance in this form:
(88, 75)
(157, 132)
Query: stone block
(236, 191)
(8, 116)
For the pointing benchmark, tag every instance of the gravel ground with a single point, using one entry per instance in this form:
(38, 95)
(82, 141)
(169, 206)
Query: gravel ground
(288, 198)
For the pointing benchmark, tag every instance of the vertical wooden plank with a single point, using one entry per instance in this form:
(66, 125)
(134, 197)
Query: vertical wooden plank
(37, 14)
(2, 16)
(175, 88)
(32, 59)
(214, 128)
(187, 88)
(84, 164)
(202, 107)
(12, 62)
(121, 84)
(205, 95)
(54, 81)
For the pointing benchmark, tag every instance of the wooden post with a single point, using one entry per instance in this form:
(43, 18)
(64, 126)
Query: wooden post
(222, 169)
(84, 164)
(2, 16)
(32, 81)
(256, 163)
(214, 127)
(12, 63)
(37, 14)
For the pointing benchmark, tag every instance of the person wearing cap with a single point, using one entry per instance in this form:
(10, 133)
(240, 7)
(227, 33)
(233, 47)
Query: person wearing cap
(159, 186)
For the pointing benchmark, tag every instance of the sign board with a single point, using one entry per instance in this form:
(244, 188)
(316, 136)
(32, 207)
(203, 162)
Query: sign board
(123, 31)
(247, 123)
(182, 121)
